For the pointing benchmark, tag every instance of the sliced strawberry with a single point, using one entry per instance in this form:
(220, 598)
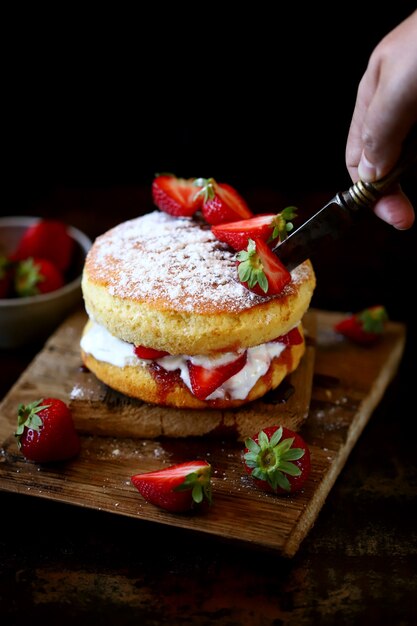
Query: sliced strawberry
(365, 327)
(292, 338)
(35, 276)
(142, 352)
(47, 239)
(260, 270)
(221, 202)
(236, 234)
(177, 488)
(204, 380)
(278, 460)
(177, 196)
(267, 227)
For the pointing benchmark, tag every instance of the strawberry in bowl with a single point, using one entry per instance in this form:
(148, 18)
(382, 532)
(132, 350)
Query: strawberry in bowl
(40, 277)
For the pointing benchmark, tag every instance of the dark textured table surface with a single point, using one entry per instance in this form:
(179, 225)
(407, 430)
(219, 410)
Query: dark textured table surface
(358, 565)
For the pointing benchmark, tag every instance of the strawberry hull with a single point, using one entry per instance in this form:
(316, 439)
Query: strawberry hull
(260, 270)
(277, 459)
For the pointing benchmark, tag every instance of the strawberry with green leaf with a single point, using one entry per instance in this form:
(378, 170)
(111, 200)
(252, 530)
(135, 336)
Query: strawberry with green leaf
(177, 488)
(34, 276)
(221, 202)
(364, 328)
(278, 460)
(260, 270)
(46, 432)
(268, 227)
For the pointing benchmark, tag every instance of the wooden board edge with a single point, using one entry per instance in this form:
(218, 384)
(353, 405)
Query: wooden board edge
(367, 407)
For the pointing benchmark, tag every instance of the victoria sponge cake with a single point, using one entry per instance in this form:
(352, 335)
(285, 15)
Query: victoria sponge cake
(170, 323)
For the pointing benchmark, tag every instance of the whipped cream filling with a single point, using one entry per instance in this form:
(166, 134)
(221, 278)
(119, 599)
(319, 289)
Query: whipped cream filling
(103, 346)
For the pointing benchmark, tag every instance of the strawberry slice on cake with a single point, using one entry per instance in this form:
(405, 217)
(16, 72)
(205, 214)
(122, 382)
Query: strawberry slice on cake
(268, 227)
(177, 196)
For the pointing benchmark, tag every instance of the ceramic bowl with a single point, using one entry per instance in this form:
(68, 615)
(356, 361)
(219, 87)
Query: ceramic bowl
(32, 319)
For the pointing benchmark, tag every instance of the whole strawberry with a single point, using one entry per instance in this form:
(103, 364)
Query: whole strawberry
(47, 239)
(46, 432)
(364, 328)
(177, 488)
(34, 276)
(277, 459)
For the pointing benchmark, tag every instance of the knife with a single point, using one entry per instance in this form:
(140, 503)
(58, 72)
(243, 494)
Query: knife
(335, 218)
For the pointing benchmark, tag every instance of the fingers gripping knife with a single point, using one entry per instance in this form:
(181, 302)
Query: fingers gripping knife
(334, 219)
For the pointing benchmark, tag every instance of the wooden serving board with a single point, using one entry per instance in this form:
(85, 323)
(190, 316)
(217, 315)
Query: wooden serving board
(348, 383)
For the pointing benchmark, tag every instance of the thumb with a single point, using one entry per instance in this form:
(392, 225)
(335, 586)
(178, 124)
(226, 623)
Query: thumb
(379, 155)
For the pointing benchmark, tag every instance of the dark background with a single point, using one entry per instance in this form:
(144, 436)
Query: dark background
(259, 98)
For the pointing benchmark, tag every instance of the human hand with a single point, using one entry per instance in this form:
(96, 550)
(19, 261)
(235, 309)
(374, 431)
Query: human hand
(385, 111)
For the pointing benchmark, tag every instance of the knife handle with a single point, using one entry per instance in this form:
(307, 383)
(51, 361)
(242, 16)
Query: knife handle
(365, 195)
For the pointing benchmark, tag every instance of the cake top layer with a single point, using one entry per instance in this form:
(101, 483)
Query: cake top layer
(176, 262)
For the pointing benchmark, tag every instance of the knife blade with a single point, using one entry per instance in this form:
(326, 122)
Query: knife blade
(336, 217)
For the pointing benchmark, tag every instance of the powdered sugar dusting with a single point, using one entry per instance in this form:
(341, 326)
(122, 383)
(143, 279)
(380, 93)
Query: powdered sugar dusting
(174, 260)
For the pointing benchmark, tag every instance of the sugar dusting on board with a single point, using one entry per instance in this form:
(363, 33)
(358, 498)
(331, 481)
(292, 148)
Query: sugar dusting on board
(178, 260)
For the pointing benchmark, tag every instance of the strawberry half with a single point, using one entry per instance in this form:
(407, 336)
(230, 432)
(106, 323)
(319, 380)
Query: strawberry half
(177, 196)
(34, 276)
(364, 328)
(177, 488)
(47, 239)
(277, 459)
(206, 380)
(260, 270)
(267, 227)
(46, 432)
(142, 352)
(221, 202)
